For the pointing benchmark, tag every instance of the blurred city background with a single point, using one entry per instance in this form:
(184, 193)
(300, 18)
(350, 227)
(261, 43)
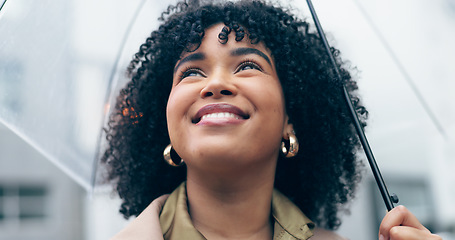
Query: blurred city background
(63, 62)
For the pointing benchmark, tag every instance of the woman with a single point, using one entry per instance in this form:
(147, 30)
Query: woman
(236, 84)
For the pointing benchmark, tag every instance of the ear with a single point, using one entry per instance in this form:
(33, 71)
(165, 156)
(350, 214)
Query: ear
(287, 128)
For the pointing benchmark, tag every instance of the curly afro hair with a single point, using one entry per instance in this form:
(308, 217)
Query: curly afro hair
(325, 172)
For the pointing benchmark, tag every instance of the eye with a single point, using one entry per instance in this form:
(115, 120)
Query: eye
(248, 65)
(191, 72)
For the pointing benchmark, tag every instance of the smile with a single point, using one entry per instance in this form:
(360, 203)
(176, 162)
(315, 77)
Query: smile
(219, 111)
(221, 115)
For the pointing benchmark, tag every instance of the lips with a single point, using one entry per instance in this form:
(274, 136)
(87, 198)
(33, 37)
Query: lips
(219, 110)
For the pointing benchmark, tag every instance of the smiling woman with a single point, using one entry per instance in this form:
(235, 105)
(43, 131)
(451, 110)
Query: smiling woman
(236, 84)
(229, 94)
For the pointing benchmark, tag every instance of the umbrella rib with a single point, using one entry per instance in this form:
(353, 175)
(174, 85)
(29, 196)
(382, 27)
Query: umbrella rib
(3, 4)
(403, 71)
(355, 120)
(111, 85)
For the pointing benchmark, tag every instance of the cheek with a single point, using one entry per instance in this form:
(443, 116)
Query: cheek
(268, 99)
(177, 98)
(277, 97)
(270, 96)
(174, 109)
(179, 102)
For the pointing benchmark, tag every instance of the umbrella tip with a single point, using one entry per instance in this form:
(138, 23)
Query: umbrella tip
(394, 198)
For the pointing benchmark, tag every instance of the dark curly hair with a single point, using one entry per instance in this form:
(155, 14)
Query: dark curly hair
(324, 174)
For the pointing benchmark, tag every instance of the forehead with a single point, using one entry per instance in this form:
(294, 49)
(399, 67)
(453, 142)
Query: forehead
(212, 41)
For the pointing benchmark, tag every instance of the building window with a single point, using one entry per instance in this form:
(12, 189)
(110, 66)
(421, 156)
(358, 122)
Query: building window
(21, 202)
(2, 213)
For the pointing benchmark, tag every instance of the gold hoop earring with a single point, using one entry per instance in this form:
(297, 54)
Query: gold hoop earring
(168, 151)
(290, 147)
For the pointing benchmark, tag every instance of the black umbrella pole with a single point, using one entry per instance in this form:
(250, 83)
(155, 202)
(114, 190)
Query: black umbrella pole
(366, 147)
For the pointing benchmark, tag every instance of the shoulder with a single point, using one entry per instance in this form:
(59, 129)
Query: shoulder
(323, 234)
(146, 226)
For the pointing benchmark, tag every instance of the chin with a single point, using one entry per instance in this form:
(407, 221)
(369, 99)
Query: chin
(231, 157)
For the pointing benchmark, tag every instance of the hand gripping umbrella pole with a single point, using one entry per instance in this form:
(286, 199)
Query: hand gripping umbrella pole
(388, 199)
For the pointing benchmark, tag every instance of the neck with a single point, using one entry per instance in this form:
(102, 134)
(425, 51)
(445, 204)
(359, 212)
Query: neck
(236, 207)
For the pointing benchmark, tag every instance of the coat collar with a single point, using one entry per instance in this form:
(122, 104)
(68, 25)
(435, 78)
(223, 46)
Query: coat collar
(290, 222)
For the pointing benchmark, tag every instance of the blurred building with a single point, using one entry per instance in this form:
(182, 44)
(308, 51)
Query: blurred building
(37, 200)
(57, 61)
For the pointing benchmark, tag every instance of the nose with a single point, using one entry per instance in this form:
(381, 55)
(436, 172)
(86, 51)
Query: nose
(218, 85)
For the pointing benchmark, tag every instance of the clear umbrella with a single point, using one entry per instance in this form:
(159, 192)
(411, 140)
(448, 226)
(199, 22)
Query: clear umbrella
(58, 69)
(61, 69)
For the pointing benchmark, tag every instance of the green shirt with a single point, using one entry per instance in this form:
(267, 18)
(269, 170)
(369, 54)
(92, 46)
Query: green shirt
(290, 222)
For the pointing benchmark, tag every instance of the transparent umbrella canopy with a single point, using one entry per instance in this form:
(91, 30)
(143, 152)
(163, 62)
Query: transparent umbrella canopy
(63, 62)
(60, 62)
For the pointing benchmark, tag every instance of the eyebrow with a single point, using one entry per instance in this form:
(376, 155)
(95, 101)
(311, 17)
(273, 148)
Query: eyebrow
(236, 52)
(191, 57)
(246, 51)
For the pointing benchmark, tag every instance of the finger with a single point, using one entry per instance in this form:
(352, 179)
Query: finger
(405, 232)
(400, 215)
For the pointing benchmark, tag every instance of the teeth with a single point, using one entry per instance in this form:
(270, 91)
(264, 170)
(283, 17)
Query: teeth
(220, 115)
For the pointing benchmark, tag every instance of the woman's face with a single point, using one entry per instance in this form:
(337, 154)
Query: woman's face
(226, 107)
